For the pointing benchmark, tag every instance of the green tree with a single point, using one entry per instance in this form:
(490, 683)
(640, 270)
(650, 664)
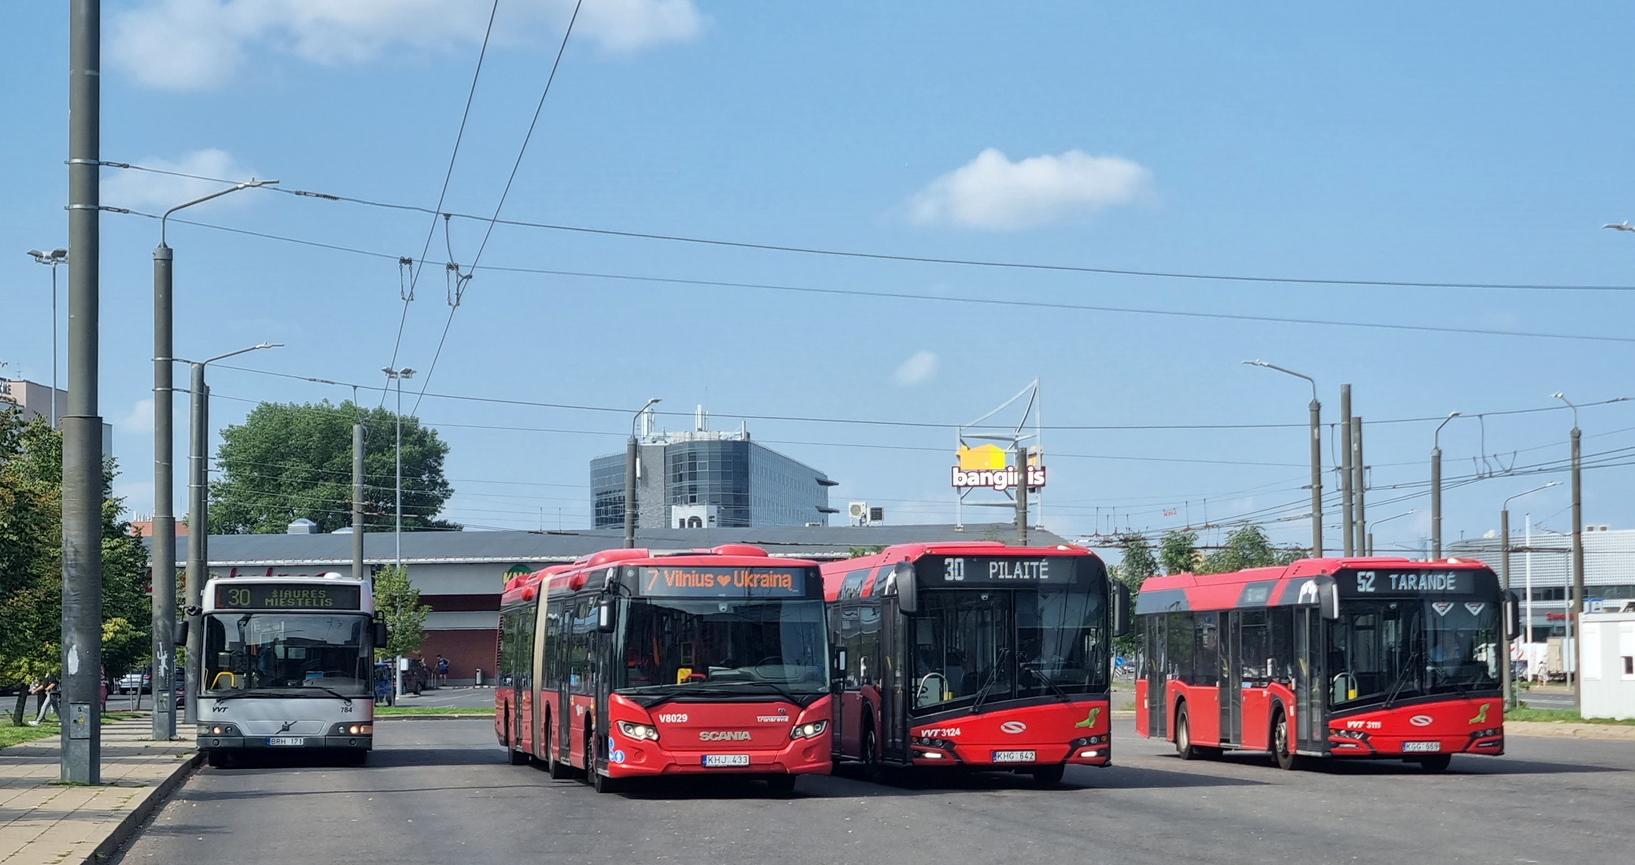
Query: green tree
(1178, 552)
(289, 461)
(31, 560)
(1139, 563)
(398, 602)
(1247, 547)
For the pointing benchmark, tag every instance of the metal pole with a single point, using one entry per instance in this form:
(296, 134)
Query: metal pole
(1576, 617)
(1436, 503)
(630, 457)
(81, 753)
(1359, 485)
(1527, 608)
(54, 346)
(398, 453)
(1316, 478)
(198, 533)
(357, 501)
(164, 501)
(1347, 527)
(1021, 495)
(1508, 686)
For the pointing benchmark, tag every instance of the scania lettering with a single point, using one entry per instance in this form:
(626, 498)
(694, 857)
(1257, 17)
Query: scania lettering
(288, 663)
(632, 664)
(975, 656)
(1359, 658)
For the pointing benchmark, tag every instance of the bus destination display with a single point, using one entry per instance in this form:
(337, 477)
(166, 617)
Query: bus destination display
(1000, 571)
(268, 596)
(693, 582)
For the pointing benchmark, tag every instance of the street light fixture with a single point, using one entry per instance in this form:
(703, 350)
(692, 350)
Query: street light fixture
(198, 528)
(630, 460)
(1316, 409)
(1504, 578)
(164, 472)
(53, 258)
(1377, 523)
(1436, 487)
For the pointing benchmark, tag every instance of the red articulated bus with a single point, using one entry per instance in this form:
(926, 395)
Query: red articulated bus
(632, 663)
(975, 656)
(1361, 658)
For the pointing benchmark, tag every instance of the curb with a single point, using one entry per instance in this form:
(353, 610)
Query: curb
(452, 716)
(140, 814)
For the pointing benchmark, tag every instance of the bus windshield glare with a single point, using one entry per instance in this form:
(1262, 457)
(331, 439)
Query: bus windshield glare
(756, 646)
(1394, 649)
(288, 654)
(1001, 643)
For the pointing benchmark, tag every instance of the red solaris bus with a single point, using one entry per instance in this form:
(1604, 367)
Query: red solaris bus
(974, 656)
(1362, 658)
(632, 663)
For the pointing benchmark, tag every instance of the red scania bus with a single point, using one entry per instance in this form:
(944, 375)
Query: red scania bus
(1371, 658)
(974, 655)
(632, 664)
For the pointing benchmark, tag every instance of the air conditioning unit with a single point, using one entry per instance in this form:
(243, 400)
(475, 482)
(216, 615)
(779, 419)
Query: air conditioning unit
(858, 511)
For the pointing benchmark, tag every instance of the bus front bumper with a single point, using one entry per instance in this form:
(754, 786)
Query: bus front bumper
(1001, 757)
(207, 742)
(810, 756)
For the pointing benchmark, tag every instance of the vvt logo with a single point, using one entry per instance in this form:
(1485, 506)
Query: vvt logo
(1013, 727)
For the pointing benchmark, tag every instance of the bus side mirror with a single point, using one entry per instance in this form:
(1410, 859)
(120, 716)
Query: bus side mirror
(382, 636)
(908, 592)
(1328, 598)
(180, 633)
(1121, 609)
(837, 676)
(606, 617)
(1512, 615)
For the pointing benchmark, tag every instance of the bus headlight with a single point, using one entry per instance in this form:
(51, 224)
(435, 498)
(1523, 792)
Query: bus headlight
(218, 730)
(808, 730)
(345, 729)
(639, 731)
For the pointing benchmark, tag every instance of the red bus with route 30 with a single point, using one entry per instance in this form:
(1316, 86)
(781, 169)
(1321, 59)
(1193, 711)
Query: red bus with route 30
(974, 655)
(1362, 658)
(632, 663)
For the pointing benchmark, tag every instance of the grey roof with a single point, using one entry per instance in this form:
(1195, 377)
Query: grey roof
(817, 542)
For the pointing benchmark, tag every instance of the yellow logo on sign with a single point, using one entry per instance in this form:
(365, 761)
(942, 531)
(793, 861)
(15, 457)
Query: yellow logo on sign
(981, 457)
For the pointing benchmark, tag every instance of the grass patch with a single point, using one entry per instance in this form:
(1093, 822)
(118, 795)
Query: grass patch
(10, 735)
(1524, 713)
(433, 710)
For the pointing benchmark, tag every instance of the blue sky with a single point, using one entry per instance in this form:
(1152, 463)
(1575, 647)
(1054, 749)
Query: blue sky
(1455, 143)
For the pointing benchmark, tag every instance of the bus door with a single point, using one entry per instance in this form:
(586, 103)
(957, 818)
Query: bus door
(893, 720)
(1311, 723)
(1155, 672)
(1231, 678)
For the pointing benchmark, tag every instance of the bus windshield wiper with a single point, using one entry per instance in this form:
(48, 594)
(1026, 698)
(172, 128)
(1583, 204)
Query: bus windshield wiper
(1402, 678)
(328, 690)
(991, 680)
(1049, 682)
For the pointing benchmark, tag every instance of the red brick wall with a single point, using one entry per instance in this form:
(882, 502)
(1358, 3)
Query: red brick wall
(467, 651)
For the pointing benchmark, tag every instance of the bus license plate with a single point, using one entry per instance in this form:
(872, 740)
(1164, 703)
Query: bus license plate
(1421, 746)
(287, 740)
(1014, 756)
(726, 759)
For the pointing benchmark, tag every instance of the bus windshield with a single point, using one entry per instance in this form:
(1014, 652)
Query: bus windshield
(287, 654)
(996, 644)
(724, 646)
(1384, 650)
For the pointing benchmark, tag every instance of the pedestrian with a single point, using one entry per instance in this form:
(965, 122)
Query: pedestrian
(442, 671)
(50, 702)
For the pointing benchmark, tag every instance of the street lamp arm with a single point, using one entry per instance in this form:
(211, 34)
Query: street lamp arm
(248, 184)
(1506, 505)
(1436, 438)
(1309, 379)
(225, 356)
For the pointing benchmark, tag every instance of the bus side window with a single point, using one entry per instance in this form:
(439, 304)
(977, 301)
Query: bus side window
(1253, 647)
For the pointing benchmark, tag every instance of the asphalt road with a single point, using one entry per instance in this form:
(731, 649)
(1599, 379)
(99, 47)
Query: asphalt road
(441, 792)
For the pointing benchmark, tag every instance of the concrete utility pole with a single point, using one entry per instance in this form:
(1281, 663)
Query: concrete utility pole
(1359, 486)
(631, 456)
(1504, 579)
(54, 257)
(1021, 495)
(1348, 529)
(357, 501)
(1436, 487)
(198, 528)
(1316, 410)
(1575, 610)
(81, 753)
(163, 556)
(398, 375)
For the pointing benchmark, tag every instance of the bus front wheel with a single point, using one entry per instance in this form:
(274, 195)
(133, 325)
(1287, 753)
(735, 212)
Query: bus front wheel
(1183, 736)
(1049, 776)
(780, 785)
(1282, 747)
(1435, 763)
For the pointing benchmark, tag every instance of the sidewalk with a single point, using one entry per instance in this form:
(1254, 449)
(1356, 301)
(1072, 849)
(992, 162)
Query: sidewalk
(43, 821)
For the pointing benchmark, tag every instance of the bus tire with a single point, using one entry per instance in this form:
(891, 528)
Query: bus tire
(1183, 736)
(780, 785)
(1282, 746)
(556, 770)
(1049, 776)
(1435, 762)
(517, 758)
(218, 758)
(871, 752)
(356, 757)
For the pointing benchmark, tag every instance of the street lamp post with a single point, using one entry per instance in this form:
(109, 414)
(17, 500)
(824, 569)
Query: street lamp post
(398, 375)
(1575, 611)
(164, 473)
(53, 258)
(630, 460)
(198, 529)
(1316, 409)
(1504, 580)
(1436, 487)
(1370, 550)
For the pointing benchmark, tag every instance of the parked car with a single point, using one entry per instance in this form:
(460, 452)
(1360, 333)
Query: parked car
(417, 678)
(130, 682)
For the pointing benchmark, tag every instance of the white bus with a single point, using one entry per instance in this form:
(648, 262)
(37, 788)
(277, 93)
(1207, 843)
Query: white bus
(288, 664)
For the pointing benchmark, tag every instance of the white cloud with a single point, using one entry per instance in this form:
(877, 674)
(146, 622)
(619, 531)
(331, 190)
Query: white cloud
(139, 421)
(917, 369)
(145, 189)
(993, 192)
(199, 44)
